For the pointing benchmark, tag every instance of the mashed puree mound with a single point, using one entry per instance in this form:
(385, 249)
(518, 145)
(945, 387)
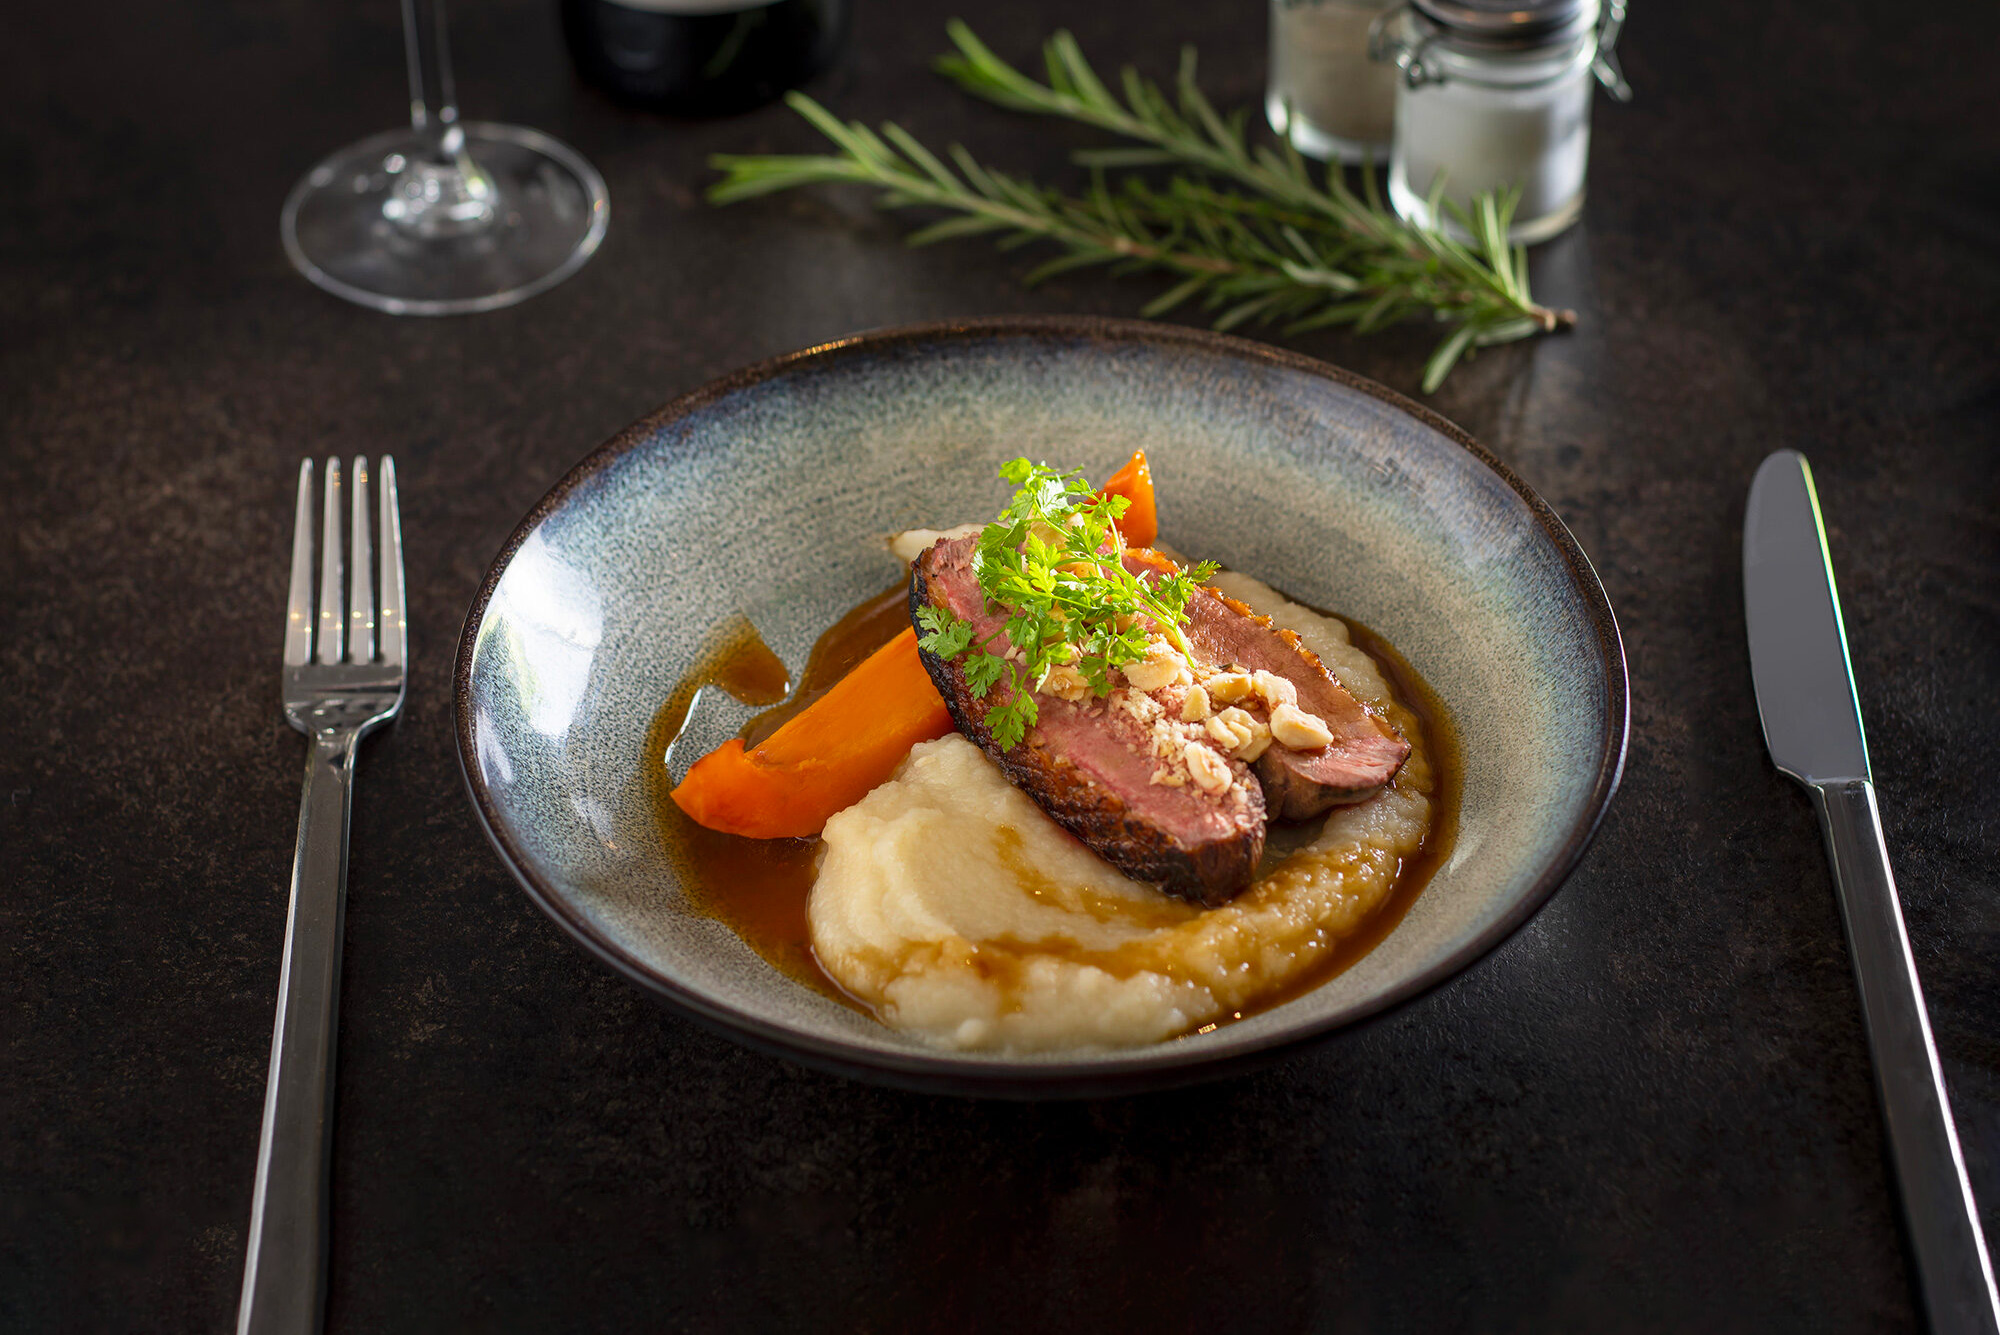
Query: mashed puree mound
(948, 902)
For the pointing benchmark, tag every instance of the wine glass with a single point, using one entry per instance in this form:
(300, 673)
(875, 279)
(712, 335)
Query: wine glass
(445, 217)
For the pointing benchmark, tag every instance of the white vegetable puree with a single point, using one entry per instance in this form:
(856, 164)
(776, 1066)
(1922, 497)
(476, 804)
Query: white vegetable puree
(949, 903)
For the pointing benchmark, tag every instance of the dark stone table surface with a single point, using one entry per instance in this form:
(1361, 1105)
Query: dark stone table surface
(1650, 1110)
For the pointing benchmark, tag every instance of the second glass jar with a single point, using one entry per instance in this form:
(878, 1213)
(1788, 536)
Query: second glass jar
(1325, 95)
(1493, 99)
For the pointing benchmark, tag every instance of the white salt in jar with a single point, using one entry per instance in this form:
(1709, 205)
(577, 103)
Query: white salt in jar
(1325, 94)
(1495, 95)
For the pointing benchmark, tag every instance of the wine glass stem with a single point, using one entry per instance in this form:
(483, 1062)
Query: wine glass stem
(441, 191)
(433, 100)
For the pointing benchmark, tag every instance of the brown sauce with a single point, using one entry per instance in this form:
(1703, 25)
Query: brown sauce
(736, 659)
(758, 887)
(859, 633)
(1440, 741)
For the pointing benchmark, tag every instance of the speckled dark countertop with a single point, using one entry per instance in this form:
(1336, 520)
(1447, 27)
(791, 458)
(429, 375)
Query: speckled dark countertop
(1650, 1110)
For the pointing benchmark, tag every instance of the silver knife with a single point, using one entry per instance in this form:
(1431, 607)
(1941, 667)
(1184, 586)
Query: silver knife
(1812, 725)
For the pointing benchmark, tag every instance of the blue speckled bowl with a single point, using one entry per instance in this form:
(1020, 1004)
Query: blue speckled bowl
(768, 492)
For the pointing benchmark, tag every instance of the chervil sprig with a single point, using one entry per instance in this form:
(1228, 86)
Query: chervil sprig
(1053, 563)
(944, 634)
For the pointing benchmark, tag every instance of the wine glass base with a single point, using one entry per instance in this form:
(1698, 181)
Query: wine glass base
(545, 215)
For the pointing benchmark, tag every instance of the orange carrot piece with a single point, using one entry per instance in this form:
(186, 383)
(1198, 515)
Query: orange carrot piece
(1141, 521)
(829, 755)
(826, 757)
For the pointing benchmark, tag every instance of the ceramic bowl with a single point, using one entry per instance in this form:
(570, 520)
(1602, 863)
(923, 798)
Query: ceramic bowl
(768, 493)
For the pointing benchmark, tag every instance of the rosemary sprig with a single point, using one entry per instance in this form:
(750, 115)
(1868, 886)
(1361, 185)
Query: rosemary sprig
(1054, 562)
(1246, 230)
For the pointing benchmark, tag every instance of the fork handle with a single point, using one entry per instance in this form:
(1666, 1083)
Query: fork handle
(285, 1267)
(1953, 1269)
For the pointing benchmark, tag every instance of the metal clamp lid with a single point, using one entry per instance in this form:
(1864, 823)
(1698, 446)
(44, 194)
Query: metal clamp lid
(1605, 66)
(1498, 26)
(1508, 23)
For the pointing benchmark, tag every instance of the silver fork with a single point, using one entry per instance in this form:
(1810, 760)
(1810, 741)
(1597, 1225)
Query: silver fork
(337, 688)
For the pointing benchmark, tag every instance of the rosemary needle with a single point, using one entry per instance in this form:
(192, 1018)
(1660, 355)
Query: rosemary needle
(1250, 232)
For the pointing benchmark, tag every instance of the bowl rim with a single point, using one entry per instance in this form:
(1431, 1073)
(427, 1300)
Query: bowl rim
(1123, 1070)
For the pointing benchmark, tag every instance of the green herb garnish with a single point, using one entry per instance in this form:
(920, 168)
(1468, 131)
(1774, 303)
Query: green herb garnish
(1250, 230)
(1054, 563)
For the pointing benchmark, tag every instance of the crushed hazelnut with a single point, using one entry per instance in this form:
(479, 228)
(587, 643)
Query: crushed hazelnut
(1162, 666)
(1210, 771)
(1065, 683)
(1300, 731)
(1243, 733)
(1227, 687)
(1166, 778)
(1222, 727)
(1275, 689)
(1195, 708)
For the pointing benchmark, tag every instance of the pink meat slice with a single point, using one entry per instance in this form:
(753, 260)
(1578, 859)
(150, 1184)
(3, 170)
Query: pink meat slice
(1090, 765)
(1365, 752)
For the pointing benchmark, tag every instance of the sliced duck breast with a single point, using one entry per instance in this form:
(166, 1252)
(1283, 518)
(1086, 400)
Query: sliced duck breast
(1362, 752)
(1156, 795)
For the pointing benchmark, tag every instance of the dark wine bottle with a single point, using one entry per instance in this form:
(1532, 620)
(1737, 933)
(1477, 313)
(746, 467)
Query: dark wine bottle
(701, 57)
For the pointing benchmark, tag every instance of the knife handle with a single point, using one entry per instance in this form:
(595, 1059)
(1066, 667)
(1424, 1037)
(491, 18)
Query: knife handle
(1953, 1269)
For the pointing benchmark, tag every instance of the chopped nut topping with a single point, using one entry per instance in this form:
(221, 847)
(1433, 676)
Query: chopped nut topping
(1065, 683)
(1300, 731)
(1222, 727)
(1210, 771)
(1227, 687)
(1166, 778)
(1162, 666)
(1275, 689)
(1195, 708)
(1243, 733)
(1143, 708)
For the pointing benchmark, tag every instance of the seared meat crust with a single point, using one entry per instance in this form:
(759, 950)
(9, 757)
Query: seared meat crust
(1365, 752)
(1093, 765)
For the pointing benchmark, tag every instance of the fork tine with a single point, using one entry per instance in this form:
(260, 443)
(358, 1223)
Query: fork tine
(360, 572)
(299, 608)
(331, 621)
(395, 629)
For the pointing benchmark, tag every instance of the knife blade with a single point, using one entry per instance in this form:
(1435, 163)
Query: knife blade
(1812, 727)
(1798, 643)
